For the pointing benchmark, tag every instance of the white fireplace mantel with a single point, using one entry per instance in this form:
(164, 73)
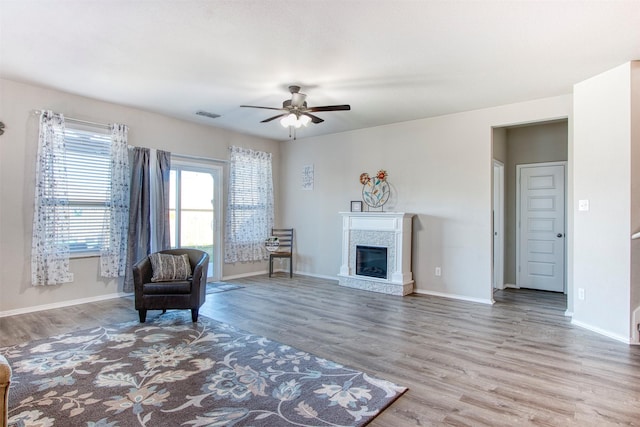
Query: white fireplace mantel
(383, 229)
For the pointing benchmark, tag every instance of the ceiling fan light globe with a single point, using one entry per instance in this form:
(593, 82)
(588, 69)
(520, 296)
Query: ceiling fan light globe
(288, 120)
(305, 120)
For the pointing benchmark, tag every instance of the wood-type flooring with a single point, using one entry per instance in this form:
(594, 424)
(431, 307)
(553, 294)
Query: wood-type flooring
(518, 362)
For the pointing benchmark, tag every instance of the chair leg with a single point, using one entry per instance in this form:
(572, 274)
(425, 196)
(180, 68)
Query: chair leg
(290, 268)
(270, 266)
(194, 314)
(142, 313)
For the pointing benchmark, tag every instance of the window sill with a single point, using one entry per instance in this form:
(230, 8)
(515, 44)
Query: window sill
(84, 255)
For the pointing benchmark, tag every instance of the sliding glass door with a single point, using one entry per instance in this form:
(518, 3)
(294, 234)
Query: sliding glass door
(195, 209)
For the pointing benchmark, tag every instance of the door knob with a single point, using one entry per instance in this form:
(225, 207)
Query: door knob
(559, 235)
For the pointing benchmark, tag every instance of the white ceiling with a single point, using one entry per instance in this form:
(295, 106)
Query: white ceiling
(390, 60)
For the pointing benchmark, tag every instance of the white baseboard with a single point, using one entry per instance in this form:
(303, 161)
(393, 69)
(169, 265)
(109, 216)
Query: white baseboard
(318, 276)
(63, 304)
(601, 331)
(453, 296)
(243, 275)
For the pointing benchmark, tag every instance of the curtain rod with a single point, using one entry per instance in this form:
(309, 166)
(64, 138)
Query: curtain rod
(84, 122)
(184, 156)
(189, 157)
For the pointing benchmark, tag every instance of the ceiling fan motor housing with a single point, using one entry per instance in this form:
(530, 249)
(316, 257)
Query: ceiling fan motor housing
(290, 105)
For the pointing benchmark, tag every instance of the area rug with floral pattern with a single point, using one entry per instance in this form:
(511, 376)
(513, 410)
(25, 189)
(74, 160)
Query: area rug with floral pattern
(172, 372)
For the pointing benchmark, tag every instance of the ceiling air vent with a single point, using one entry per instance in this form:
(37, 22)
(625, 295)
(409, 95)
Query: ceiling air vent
(207, 114)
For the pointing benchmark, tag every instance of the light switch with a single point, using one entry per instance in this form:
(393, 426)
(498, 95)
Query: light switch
(583, 205)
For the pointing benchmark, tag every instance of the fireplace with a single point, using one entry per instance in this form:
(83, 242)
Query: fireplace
(376, 252)
(371, 261)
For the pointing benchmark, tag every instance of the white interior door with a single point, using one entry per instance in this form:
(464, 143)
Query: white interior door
(541, 227)
(498, 225)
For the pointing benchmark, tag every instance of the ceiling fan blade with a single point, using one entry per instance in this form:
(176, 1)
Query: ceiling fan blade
(273, 118)
(264, 108)
(330, 108)
(314, 119)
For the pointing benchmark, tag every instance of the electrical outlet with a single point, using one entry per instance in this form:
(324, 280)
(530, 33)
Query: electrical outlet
(438, 271)
(581, 293)
(583, 205)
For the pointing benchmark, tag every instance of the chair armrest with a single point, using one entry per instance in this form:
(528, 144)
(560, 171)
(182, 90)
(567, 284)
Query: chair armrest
(200, 271)
(142, 273)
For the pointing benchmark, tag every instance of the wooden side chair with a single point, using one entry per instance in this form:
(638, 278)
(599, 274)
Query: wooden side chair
(285, 248)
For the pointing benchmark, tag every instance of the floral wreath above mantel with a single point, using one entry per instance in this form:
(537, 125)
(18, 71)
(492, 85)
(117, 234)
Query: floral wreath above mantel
(375, 190)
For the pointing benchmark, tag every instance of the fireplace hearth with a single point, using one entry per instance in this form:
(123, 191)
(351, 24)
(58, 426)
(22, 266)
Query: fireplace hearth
(376, 252)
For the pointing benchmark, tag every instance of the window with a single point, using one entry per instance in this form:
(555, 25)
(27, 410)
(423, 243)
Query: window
(195, 208)
(250, 207)
(86, 194)
(81, 201)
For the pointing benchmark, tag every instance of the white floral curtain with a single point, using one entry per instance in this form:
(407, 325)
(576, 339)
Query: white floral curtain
(250, 214)
(50, 237)
(113, 255)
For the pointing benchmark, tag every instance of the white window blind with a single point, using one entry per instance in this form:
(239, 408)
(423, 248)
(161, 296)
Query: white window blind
(246, 199)
(86, 194)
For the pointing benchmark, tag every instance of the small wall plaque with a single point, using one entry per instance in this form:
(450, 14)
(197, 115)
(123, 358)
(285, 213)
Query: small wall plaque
(307, 177)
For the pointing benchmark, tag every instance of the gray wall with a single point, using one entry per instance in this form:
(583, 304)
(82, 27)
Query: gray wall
(500, 144)
(440, 169)
(604, 152)
(18, 147)
(635, 197)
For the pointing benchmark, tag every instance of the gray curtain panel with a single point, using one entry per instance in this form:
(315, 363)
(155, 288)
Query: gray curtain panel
(140, 205)
(139, 241)
(161, 205)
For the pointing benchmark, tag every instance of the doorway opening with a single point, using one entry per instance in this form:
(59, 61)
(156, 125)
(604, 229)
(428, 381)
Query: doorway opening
(522, 145)
(195, 209)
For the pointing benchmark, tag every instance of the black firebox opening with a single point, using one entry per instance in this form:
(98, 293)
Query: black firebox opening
(371, 261)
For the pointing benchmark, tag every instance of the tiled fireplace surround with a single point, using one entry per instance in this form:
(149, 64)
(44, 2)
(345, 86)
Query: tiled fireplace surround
(382, 229)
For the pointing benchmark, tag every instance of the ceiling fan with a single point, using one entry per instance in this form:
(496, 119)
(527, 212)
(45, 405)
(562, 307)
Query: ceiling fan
(295, 112)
